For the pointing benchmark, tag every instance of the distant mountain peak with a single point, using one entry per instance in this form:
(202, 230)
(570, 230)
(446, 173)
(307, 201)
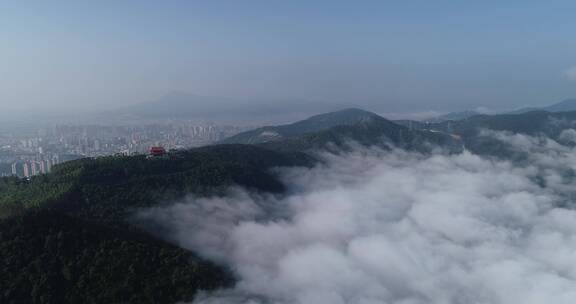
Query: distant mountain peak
(338, 129)
(344, 116)
(354, 111)
(567, 105)
(316, 123)
(563, 106)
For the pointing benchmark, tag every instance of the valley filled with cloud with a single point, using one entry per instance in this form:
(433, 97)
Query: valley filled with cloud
(374, 226)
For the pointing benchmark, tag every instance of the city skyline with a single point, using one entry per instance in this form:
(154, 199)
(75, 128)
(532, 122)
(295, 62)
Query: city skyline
(34, 152)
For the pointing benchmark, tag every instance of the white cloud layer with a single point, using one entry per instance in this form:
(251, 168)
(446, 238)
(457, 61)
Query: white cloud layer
(395, 228)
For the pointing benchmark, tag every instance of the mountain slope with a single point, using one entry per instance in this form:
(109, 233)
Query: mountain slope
(563, 106)
(70, 236)
(337, 129)
(530, 123)
(313, 124)
(567, 105)
(534, 123)
(48, 257)
(108, 189)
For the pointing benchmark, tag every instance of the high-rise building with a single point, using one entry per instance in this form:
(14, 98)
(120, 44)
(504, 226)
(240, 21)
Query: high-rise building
(42, 167)
(26, 170)
(14, 169)
(48, 165)
(34, 168)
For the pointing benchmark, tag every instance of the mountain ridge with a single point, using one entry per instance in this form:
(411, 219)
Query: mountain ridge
(337, 130)
(566, 105)
(183, 105)
(312, 124)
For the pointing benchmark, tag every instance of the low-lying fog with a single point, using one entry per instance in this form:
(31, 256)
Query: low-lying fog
(394, 227)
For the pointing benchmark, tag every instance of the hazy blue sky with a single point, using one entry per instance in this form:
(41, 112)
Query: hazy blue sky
(394, 55)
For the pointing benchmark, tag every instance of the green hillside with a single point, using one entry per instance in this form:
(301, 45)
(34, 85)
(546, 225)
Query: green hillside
(66, 237)
(313, 124)
(338, 129)
(49, 257)
(535, 123)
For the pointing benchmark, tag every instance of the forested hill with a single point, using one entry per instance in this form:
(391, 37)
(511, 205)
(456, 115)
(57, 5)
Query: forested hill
(50, 257)
(337, 129)
(310, 125)
(107, 189)
(530, 123)
(534, 123)
(65, 237)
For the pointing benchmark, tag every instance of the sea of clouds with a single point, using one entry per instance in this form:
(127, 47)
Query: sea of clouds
(394, 227)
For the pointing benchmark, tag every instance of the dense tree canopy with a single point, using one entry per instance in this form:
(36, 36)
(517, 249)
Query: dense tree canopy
(66, 237)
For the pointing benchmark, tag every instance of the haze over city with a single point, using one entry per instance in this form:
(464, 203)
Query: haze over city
(390, 57)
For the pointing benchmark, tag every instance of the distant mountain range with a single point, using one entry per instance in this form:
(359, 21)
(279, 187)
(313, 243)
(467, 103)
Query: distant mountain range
(533, 123)
(337, 129)
(180, 105)
(563, 106)
(242, 111)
